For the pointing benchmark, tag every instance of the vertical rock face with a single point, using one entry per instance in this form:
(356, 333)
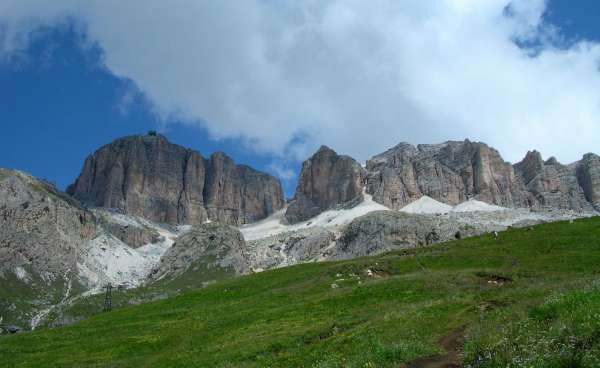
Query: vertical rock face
(551, 184)
(239, 194)
(452, 172)
(145, 176)
(327, 180)
(150, 177)
(588, 174)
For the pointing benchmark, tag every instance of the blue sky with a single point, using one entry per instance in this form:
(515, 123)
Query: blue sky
(58, 105)
(59, 102)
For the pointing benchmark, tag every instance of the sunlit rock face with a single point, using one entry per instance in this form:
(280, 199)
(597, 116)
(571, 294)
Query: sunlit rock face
(327, 180)
(149, 176)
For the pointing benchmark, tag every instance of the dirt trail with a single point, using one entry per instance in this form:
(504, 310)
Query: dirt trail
(452, 344)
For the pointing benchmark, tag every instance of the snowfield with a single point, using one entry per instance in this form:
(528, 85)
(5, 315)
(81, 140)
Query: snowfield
(471, 211)
(426, 205)
(335, 219)
(107, 259)
(332, 219)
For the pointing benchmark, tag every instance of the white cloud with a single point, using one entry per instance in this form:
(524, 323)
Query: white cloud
(360, 76)
(283, 172)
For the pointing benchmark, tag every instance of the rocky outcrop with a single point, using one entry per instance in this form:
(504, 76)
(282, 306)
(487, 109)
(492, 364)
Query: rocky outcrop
(588, 174)
(41, 235)
(133, 232)
(150, 177)
(452, 172)
(203, 253)
(40, 227)
(289, 248)
(327, 180)
(551, 184)
(384, 231)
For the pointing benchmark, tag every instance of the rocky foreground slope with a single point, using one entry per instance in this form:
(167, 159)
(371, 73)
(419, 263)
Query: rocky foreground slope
(150, 177)
(53, 250)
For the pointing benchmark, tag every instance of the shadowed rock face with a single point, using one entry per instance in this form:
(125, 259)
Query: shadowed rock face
(150, 177)
(588, 174)
(327, 180)
(239, 194)
(551, 184)
(452, 172)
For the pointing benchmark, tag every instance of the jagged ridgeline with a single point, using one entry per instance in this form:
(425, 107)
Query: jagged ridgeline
(452, 173)
(147, 213)
(149, 176)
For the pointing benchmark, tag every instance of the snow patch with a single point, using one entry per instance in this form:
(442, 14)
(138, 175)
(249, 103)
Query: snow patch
(121, 219)
(22, 275)
(332, 219)
(426, 205)
(107, 259)
(473, 205)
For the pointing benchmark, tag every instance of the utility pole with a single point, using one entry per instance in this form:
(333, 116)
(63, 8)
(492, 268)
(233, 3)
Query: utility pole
(108, 298)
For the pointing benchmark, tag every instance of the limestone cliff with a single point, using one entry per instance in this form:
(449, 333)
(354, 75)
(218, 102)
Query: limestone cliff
(327, 180)
(149, 176)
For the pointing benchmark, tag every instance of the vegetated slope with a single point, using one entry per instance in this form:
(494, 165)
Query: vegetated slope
(530, 297)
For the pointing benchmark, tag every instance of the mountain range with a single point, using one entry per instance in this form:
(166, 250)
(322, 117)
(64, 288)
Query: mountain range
(150, 177)
(147, 212)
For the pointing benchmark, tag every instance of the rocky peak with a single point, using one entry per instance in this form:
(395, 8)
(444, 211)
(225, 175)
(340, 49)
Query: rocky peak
(588, 175)
(325, 150)
(550, 184)
(327, 180)
(148, 176)
(450, 172)
(530, 166)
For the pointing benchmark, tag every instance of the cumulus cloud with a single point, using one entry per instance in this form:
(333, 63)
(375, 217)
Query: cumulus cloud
(360, 76)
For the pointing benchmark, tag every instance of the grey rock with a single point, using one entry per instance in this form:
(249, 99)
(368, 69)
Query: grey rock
(41, 234)
(551, 184)
(150, 177)
(13, 329)
(588, 174)
(384, 231)
(205, 248)
(134, 234)
(327, 180)
(40, 227)
(300, 246)
(452, 172)
(239, 195)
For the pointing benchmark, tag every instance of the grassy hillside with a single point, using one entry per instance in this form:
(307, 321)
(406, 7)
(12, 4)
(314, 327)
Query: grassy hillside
(530, 298)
